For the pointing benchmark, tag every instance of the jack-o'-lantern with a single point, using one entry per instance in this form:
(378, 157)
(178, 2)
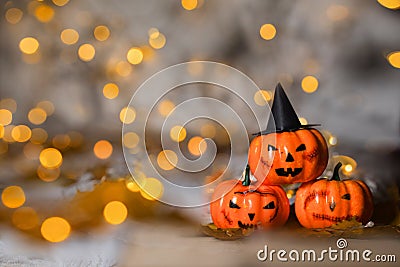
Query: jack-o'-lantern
(240, 204)
(287, 152)
(325, 202)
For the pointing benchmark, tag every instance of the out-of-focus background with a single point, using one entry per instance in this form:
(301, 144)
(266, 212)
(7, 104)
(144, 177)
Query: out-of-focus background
(68, 69)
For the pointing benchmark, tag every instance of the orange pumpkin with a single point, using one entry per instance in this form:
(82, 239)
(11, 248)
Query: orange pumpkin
(325, 202)
(240, 204)
(288, 157)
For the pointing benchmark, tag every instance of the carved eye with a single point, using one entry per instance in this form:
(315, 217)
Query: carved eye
(233, 205)
(271, 148)
(270, 205)
(346, 196)
(301, 147)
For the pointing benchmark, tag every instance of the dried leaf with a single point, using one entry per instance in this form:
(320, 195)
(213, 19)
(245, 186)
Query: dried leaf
(347, 224)
(225, 234)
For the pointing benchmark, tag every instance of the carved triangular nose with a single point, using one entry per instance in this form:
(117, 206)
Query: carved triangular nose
(251, 216)
(289, 158)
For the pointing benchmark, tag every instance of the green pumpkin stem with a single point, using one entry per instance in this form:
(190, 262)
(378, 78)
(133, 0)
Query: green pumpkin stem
(335, 176)
(246, 181)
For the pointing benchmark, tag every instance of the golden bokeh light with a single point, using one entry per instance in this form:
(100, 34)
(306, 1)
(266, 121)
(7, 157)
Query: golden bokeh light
(5, 117)
(303, 121)
(101, 33)
(37, 116)
(48, 175)
(167, 160)
(29, 45)
(123, 68)
(1, 131)
(197, 146)
(152, 189)
(69, 36)
(21, 133)
(132, 185)
(50, 158)
(76, 139)
(337, 12)
(115, 212)
(14, 15)
(348, 168)
(86, 52)
(148, 52)
(166, 107)
(102, 149)
(44, 13)
(208, 131)
(153, 32)
(177, 133)
(309, 84)
(134, 55)
(13, 197)
(394, 59)
(261, 97)
(55, 229)
(61, 141)
(332, 141)
(110, 90)
(189, 4)
(130, 139)
(391, 4)
(47, 106)
(60, 2)
(127, 115)
(7, 136)
(25, 218)
(39, 136)
(32, 151)
(157, 42)
(267, 31)
(8, 103)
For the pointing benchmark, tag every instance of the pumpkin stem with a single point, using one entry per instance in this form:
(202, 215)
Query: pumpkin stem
(335, 176)
(246, 181)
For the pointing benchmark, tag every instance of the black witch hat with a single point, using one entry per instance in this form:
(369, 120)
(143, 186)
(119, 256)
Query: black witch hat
(283, 118)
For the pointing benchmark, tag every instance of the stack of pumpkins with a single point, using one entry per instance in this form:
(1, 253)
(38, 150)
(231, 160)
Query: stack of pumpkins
(288, 152)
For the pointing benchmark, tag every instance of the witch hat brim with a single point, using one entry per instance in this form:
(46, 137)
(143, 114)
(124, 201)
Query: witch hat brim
(283, 117)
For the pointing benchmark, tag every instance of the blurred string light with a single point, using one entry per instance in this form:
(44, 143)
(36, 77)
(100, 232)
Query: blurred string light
(337, 12)
(115, 212)
(391, 4)
(268, 31)
(261, 97)
(208, 131)
(303, 121)
(102, 149)
(152, 189)
(55, 229)
(21, 133)
(50, 158)
(25, 218)
(127, 115)
(60, 2)
(110, 90)
(189, 4)
(157, 40)
(14, 15)
(165, 107)
(47, 106)
(69, 36)
(349, 164)
(130, 139)
(1, 131)
(13, 197)
(5, 117)
(167, 160)
(8, 103)
(309, 84)
(48, 175)
(29, 45)
(101, 33)
(394, 59)
(37, 116)
(197, 146)
(32, 151)
(7, 136)
(134, 55)
(177, 133)
(44, 13)
(61, 141)
(86, 52)
(38, 136)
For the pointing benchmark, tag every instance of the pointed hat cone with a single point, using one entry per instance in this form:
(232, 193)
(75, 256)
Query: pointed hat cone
(283, 118)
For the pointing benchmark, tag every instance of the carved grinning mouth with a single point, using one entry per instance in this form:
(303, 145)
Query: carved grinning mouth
(289, 171)
(246, 225)
(335, 219)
